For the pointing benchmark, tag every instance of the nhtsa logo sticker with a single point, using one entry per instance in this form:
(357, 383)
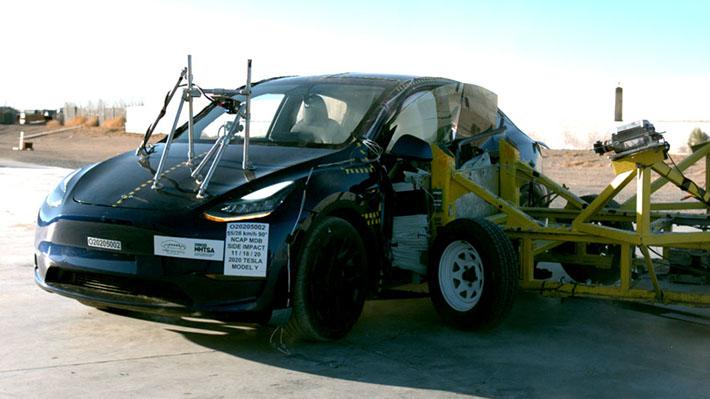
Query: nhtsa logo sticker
(103, 243)
(204, 250)
(190, 248)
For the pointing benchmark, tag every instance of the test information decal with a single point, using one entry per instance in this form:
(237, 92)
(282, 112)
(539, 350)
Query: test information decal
(246, 247)
(190, 248)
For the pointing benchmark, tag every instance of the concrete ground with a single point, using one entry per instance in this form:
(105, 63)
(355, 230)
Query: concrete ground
(55, 347)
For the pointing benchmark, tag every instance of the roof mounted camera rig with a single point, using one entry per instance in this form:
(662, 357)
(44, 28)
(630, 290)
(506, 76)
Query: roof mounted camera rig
(221, 97)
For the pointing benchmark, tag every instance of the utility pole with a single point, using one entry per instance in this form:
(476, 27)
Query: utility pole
(619, 104)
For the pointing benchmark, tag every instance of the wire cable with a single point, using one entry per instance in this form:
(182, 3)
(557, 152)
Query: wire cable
(373, 147)
(207, 96)
(280, 346)
(293, 229)
(676, 167)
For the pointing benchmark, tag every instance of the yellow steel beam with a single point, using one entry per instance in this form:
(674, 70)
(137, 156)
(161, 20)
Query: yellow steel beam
(442, 168)
(611, 233)
(643, 201)
(531, 174)
(551, 235)
(675, 239)
(542, 246)
(625, 266)
(498, 218)
(592, 233)
(527, 260)
(690, 160)
(515, 216)
(613, 215)
(677, 178)
(560, 214)
(601, 262)
(678, 206)
(651, 272)
(554, 288)
(509, 188)
(609, 192)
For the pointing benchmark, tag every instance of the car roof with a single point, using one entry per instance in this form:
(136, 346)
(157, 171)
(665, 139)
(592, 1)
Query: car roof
(355, 77)
(394, 79)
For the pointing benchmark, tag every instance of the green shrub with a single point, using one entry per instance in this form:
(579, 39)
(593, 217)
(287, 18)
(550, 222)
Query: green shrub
(696, 137)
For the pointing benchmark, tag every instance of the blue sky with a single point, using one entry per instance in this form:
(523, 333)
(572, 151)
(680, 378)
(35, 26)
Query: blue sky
(653, 37)
(553, 64)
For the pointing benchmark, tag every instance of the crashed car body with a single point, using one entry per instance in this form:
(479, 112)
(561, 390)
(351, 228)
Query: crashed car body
(311, 227)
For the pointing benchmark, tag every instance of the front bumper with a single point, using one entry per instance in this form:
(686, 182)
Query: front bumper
(136, 279)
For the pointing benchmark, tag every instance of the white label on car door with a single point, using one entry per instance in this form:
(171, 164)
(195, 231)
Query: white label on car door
(190, 248)
(246, 247)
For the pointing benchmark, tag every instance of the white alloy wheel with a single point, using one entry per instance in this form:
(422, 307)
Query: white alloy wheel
(461, 275)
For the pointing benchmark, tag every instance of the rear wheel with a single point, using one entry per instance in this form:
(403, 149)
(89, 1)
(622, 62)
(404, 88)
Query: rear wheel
(473, 276)
(331, 282)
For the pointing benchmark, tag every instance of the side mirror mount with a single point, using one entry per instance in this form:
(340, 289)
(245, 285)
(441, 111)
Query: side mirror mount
(412, 148)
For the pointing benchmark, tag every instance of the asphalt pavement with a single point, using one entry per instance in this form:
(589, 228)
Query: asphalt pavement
(55, 347)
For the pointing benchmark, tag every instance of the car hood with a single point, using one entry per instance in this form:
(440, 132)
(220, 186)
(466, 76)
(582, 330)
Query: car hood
(125, 181)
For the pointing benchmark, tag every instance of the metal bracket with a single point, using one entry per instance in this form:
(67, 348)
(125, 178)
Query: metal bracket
(217, 150)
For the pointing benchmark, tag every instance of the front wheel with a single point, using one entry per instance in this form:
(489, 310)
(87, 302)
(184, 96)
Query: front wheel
(474, 272)
(331, 282)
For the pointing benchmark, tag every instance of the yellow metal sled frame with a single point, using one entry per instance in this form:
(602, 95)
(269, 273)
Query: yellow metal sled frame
(539, 230)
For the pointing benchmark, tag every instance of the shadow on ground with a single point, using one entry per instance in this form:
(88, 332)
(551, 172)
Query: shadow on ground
(547, 347)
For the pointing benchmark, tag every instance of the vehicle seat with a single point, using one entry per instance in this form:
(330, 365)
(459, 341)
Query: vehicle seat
(316, 121)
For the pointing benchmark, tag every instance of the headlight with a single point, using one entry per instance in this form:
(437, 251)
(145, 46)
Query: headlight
(258, 204)
(55, 198)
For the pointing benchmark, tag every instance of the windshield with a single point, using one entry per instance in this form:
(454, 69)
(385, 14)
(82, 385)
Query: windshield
(300, 114)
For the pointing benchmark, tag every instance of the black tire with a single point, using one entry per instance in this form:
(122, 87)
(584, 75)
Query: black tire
(583, 273)
(331, 282)
(485, 302)
(533, 194)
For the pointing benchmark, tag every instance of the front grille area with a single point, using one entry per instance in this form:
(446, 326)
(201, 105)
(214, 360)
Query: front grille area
(111, 285)
(102, 284)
